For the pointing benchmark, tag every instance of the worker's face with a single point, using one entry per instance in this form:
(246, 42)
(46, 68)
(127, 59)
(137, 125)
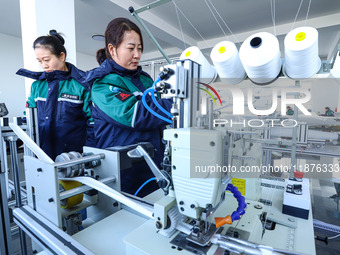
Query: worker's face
(48, 61)
(129, 52)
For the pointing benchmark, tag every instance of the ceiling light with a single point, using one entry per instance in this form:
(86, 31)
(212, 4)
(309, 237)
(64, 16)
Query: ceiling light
(98, 37)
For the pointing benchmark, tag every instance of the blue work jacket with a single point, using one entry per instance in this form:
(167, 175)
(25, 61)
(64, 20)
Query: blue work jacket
(63, 103)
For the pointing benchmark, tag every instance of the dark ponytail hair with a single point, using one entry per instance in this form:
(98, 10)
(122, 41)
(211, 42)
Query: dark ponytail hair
(115, 31)
(54, 42)
(100, 56)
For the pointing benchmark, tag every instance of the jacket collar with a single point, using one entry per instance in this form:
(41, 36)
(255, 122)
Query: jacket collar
(72, 72)
(110, 66)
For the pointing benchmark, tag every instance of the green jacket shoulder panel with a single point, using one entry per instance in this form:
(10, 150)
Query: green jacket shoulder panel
(39, 89)
(105, 95)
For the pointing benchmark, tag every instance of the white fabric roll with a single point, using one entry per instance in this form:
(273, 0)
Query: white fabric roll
(208, 72)
(302, 53)
(31, 144)
(97, 185)
(228, 65)
(261, 57)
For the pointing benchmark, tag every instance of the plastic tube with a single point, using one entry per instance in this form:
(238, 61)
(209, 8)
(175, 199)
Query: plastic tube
(149, 109)
(156, 81)
(142, 186)
(236, 215)
(241, 202)
(155, 101)
(159, 106)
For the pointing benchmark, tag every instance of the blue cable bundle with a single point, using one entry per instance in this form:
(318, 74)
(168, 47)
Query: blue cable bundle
(152, 91)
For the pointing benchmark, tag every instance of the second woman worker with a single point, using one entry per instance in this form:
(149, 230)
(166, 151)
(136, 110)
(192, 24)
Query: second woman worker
(118, 84)
(61, 98)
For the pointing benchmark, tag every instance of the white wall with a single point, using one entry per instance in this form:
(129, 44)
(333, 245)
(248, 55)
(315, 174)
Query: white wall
(325, 92)
(12, 86)
(86, 62)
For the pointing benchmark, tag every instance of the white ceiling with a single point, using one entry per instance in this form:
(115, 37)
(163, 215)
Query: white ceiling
(243, 17)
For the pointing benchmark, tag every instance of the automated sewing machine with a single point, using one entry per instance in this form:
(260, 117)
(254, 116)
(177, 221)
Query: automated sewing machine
(199, 209)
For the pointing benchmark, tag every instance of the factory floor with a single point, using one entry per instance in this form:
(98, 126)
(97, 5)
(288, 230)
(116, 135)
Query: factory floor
(324, 209)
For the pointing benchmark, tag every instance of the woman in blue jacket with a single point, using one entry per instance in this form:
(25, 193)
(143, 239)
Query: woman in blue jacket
(61, 98)
(119, 114)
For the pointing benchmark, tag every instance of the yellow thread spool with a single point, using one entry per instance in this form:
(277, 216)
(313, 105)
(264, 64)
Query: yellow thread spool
(71, 201)
(300, 36)
(222, 49)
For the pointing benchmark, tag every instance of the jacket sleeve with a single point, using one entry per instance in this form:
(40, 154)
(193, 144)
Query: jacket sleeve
(90, 138)
(126, 108)
(31, 98)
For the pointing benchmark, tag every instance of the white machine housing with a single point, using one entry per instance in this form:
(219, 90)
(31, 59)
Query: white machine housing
(194, 149)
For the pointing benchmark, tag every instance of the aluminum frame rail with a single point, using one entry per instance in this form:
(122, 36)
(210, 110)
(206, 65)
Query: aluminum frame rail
(5, 229)
(47, 235)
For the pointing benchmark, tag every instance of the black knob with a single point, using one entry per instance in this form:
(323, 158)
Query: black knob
(162, 183)
(158, 225)
(323, 239)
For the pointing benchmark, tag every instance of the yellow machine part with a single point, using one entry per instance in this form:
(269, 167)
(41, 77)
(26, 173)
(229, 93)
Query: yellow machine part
(71, 201)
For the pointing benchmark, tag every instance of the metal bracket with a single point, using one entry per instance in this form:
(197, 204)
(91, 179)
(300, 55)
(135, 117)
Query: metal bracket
(140, 152)
(203, 239)
(337, 52)
(140, 21)
(151, 5)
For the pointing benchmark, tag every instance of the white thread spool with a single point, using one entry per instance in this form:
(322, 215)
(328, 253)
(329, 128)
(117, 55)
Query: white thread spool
(261, 57)
(302, 53)
(227, 62)
(208, 72)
